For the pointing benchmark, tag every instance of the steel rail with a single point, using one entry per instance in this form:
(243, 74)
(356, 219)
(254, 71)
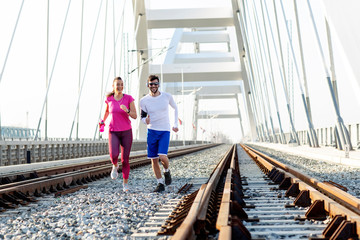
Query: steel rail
(231, 213)
(222, 198)
(339, 195)
(332, 199)
(225, 219)
(194, 222)
(61, 179)
(19, 176)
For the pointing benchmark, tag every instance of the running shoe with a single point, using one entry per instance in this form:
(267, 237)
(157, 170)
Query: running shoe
(125, 188)
(160, 188)
(167, 177)
(114, 172)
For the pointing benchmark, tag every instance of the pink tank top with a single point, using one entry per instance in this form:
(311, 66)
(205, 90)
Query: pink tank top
(120, 120)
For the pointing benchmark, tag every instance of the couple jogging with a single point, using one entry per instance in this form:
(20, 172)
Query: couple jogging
(155, 114)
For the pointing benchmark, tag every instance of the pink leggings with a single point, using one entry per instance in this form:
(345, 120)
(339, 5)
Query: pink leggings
(124, 140)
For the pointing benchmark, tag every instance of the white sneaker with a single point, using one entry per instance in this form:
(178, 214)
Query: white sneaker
(114, 172)
(125, 188)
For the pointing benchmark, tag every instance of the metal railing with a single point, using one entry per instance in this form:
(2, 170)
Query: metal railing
(326, 136)
(21, 152)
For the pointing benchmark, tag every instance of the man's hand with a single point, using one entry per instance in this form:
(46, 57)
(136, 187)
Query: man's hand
(147, 120)
(175, 129)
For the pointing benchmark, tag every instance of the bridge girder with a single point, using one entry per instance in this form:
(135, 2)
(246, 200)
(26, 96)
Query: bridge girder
(209, 25)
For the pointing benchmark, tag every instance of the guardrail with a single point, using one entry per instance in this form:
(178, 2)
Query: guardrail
(20, 152)
(326, 136)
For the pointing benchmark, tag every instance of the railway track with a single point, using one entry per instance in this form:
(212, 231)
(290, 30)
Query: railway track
(22, 188)
(251, 196)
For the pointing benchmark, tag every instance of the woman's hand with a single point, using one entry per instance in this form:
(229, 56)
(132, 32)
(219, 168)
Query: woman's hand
(123, 107)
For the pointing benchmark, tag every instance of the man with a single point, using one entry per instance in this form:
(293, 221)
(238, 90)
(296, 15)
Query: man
(155, 114)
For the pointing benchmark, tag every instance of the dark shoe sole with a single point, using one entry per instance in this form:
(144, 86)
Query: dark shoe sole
(167, 179)
(159, 189)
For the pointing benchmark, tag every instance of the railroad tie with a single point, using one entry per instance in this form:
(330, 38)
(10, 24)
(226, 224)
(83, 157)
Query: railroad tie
(6, 204)
(13, 199)
(177, 216)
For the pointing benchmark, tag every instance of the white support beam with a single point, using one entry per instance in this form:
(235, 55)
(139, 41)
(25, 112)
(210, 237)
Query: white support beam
(219, 116)
(142, 56)
(189, 17)
(217, 96)
(246, 86)
(206, 90)
(199, 71)
(170, 55)
(204, 57)
(343, 17)
(206, 36)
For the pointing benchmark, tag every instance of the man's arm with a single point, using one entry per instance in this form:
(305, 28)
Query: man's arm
(176, 112)
(143, 114)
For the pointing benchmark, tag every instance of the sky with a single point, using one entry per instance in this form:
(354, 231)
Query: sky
(322, 109)
(23, 84)
(28, 54)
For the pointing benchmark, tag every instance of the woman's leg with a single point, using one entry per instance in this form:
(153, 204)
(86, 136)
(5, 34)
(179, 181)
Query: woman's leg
(114, 147)
(126, 143)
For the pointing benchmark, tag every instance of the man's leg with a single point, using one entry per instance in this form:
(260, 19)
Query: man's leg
(163, 151)
(156, 167)
(164, 161)
(152, 150)
(163, 148)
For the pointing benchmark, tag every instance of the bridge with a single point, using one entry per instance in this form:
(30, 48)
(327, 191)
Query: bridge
(272, 71)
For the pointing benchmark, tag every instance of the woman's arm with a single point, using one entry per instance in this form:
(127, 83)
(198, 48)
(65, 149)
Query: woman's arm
(106, 113)
(132, 109)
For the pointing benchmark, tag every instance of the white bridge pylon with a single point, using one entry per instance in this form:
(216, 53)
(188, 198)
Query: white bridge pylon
(204, 51)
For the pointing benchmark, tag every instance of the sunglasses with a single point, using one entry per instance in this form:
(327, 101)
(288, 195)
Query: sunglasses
(153, 84)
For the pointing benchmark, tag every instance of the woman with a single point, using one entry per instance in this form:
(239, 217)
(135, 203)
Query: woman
(120, 106)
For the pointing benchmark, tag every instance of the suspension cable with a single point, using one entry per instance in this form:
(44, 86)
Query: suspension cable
(312, 133)
(111, 64)
(262, 52)
(11, 41)
(52, 71)
(87, 63)
(47, 65)
(114, 41)
(80, 63)
(7, 55)
(280, 61)
(107, 80)
(272, 70)
(122, 38)
(344, 134)
(249, 70)
(258, 93)
(103, 60)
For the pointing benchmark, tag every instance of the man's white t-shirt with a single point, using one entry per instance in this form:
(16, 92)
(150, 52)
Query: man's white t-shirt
(157, 108)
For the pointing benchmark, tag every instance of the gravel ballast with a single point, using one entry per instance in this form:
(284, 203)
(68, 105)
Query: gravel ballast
(324, 171)
(103, 210)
